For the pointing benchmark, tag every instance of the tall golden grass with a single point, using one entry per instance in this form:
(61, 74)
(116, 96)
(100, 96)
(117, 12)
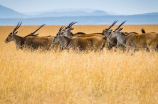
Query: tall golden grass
(76, 78)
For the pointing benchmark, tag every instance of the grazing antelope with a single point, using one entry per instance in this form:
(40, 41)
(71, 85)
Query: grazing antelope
(78, 43)
(18, 40)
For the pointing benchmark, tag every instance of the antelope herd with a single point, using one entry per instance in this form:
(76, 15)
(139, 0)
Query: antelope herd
(81, 41)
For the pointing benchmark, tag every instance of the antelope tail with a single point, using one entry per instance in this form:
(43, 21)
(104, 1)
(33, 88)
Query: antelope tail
(143, 31)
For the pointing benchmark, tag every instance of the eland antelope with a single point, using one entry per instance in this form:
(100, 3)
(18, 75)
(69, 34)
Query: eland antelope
(67, 33)
(115, 41)
(136, 41)
(18, 40)
(112, 42)
(78, 43)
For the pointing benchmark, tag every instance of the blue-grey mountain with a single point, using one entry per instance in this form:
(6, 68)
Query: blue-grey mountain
(59, 17)
(9, 13)
(72, 13)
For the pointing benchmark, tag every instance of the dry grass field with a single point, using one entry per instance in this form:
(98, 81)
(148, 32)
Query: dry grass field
(76, 78)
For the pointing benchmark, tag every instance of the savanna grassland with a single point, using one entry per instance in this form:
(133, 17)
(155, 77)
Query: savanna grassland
(108, 77)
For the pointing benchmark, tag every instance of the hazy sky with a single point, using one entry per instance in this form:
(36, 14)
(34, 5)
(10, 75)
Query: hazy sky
(116, 6)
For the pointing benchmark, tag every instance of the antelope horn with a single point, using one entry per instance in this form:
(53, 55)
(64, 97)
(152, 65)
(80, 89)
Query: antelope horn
(120, 25)
(61, 28)
(18, 25)
(111, 25)
(37, 29)
(72, 23)
(68, 25)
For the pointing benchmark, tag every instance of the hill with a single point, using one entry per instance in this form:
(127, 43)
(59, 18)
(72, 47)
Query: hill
(72, 13)
(64, 17)
(10, 13)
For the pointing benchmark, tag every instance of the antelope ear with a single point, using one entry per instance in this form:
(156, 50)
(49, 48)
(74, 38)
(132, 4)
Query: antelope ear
(143, 31)
(103, 32)
(15, 32)
(35, 34)
(71, 28)
(109, 31)
(58, 34)
(120, 29)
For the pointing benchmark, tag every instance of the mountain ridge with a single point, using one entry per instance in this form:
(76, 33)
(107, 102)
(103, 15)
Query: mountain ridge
(9, 13)
(96, 17)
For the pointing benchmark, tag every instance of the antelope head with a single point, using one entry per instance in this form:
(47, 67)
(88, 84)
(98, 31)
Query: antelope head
(115, 33)
(67, 31)
(14, 32)
(106, 31)
(117, 30)
(56, 38)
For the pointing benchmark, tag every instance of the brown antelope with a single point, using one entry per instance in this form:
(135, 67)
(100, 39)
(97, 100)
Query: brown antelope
(43, 42)
(78, 43)
(113, 41)
(18, 40)
(136, 41)
(67, 32)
